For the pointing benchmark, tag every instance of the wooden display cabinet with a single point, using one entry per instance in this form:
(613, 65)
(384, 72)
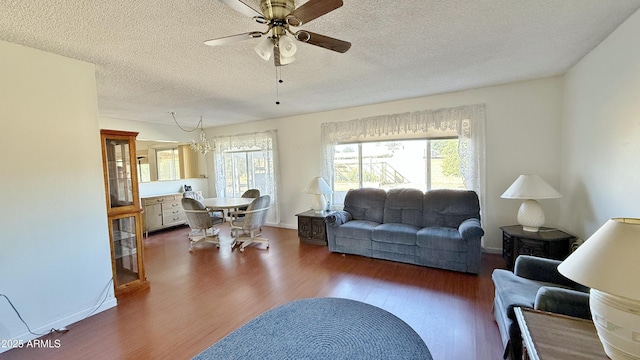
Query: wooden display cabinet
(123, 210)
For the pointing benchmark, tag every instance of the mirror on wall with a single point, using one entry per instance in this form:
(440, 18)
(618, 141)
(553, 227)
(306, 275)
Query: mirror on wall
(165, 161)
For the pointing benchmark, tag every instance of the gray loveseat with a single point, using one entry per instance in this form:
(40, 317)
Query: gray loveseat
(439, 228)
(534, 283)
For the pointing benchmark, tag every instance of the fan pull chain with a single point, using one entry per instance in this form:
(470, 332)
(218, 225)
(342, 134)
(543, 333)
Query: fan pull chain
(278, 81)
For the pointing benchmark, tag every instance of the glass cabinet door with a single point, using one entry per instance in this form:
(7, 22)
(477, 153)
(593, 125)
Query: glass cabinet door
(119, 172)
(125, 250)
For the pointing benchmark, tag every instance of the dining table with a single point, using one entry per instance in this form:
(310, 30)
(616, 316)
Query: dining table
(226, 203)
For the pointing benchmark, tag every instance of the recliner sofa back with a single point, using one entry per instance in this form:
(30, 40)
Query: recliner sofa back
(449, 208)
(365, 204)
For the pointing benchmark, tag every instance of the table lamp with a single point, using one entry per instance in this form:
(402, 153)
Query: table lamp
(607, 262)
(318, 187)
(530, 188)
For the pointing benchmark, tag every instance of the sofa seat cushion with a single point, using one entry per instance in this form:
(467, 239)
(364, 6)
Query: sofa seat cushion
(395, 233)
(515, 290)
(356, 229)
(441, 238)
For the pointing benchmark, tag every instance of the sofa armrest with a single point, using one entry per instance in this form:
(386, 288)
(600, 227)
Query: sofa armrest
(563, 301)
(338, 218)
(470, 228)
(540, 269)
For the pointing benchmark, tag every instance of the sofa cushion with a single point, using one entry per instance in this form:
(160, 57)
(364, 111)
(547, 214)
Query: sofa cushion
(449, 208)
(404, 206)
(440, 238)
(365, 204)
(356, 229)
(395, 233)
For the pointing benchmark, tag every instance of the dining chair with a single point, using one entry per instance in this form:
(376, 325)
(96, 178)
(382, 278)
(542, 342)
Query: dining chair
(198, 196)
(251, 193)
(247, 229)
(202, 222)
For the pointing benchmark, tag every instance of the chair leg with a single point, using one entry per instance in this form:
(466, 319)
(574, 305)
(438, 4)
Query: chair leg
(214, 238)
(253, 238)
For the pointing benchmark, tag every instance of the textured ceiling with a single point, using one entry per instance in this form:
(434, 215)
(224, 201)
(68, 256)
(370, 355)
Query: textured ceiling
(150, 58)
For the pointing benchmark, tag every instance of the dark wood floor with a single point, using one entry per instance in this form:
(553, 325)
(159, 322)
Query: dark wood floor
(197, 298)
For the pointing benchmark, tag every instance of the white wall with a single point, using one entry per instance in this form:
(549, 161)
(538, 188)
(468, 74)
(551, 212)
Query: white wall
(523, 136)
(601, 133)
(55, 261)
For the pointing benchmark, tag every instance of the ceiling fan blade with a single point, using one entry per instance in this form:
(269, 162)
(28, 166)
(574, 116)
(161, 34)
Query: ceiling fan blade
(311, 10)
(323, 41)
(242, 8)
(233, 38)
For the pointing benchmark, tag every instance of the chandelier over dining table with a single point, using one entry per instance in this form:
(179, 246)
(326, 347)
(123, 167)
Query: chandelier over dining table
(203, 146)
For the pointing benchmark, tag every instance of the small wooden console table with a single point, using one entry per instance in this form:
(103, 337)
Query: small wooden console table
(311, 227)
(548, 242)
(549, 336)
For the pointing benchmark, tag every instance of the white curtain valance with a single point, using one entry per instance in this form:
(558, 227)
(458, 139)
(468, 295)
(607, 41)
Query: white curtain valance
(456, 119)
(261, 140)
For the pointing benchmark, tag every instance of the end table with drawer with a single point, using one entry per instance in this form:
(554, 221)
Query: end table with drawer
(547, 242)
(312, 228)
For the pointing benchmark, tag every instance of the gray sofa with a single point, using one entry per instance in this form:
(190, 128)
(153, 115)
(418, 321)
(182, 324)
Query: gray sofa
(534, 283)
(439, 228)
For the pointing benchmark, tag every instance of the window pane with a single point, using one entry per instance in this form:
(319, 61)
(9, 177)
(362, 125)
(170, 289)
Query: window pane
(421, 164)
(246, 170)
(346, 170)
(446, 165)
(168, 164)
(394, 164)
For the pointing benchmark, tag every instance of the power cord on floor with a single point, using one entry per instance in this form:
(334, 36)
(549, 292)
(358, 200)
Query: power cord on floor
(61, 330)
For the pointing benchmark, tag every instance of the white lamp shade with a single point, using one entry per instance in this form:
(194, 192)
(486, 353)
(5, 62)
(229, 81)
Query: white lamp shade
(318, 186)
(609, 259)
(530, 187)
(264, 49)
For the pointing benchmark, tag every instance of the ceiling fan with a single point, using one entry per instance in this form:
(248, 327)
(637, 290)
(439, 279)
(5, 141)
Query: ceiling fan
(280, 16)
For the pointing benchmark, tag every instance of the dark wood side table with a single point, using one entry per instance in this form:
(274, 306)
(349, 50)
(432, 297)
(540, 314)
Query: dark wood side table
(312, 228)
(551, 336)
(547, 242)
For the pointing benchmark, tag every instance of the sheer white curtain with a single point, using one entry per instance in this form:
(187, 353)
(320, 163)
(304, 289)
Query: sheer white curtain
(467, 122)
(267, 143)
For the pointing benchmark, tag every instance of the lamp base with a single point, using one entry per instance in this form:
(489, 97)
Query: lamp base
(530, 215)
(617, 321)
(319, 203)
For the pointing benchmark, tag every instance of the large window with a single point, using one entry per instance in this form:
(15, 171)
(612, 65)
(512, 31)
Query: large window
(248, 161)
(428, 149)
(423, 164)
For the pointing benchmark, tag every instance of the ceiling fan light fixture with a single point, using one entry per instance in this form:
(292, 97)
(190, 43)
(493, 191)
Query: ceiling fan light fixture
(287, 47)
(264, 49)
(287, 60)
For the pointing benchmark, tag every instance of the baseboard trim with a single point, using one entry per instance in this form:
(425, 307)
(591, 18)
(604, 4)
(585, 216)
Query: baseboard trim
(489, 250)
(62, 322)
